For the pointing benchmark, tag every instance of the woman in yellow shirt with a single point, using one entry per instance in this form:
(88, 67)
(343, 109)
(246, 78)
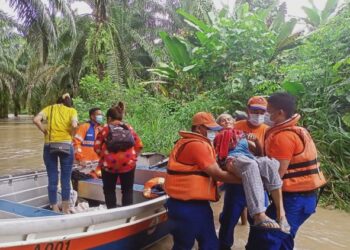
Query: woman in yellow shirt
(62, 120)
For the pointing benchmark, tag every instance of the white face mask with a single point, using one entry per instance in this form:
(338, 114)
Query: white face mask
(268, 121)
(99, 118)
(256, 119)
(211, 135)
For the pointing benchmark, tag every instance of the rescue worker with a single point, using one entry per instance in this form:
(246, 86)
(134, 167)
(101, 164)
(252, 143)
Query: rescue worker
(85, 136)
(254, 125)
(235, 201)
(299, 168)
(190, 182)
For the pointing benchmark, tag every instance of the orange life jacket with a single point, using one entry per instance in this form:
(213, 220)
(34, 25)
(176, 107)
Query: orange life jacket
(147, 191)
(303, 173)
(189, 182)
(84, 142)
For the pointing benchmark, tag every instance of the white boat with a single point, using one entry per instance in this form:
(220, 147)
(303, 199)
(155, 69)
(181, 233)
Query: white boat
(26, 223)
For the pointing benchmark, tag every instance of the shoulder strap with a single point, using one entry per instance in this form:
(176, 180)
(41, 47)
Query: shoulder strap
(123, 125)
(50, 123)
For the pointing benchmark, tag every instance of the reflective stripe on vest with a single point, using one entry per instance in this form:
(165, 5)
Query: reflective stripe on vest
(185, 181)
(89, 139)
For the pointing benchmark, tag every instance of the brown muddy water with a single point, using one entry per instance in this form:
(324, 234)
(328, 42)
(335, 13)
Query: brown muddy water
(21, 151)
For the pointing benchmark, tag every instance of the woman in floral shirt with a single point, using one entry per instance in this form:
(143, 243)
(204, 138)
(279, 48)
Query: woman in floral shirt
(121, 164)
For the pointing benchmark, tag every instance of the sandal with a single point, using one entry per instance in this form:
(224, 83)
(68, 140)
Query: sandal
(268, 224)
(284, 225)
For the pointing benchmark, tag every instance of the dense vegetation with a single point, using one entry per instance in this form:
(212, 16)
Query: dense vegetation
(170, 59)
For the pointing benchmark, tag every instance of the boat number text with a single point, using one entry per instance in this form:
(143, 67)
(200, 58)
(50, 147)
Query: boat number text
(60, 245)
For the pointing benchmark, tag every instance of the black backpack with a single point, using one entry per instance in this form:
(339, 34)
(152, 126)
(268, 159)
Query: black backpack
(119, 138)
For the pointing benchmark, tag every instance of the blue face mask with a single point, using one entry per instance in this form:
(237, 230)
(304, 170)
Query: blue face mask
(99, 118)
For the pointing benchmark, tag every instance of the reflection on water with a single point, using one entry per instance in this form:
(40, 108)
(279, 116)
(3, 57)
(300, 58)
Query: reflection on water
(21, 151)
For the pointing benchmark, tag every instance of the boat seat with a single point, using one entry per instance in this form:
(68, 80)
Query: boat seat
(92, 189)
(136, 187)
(24, 210)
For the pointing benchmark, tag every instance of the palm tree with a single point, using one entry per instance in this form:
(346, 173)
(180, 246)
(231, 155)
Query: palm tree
(123, 37)
(64, 68)
(9, 44)
(38, 21)
(27, 79)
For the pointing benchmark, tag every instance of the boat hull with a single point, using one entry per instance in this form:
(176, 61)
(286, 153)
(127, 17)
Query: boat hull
(136, 235)
(26, 225)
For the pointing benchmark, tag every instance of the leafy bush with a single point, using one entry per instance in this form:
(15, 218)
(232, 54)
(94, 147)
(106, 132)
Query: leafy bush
(155, 118)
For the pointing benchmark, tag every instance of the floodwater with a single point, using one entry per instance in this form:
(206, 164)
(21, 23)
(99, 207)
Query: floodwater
(21, 151)
(21, 146)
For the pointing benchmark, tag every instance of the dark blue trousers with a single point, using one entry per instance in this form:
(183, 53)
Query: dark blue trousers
(298, 209)
(190, 221)
(265, 239)
(234, 203)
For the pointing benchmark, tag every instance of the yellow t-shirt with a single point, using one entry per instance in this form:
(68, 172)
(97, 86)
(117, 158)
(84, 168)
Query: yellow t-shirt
(60, 125)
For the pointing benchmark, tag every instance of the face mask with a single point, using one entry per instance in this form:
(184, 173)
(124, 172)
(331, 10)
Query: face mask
(99, 118)
(268, 121)
(211, 135)
(256, 119)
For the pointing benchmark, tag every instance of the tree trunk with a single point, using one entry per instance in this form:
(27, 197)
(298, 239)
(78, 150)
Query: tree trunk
(100, 18)
(4, 103)
(16, 106)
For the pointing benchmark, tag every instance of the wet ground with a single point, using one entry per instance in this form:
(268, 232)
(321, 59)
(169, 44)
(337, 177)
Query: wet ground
(21, 151)
(325, 230)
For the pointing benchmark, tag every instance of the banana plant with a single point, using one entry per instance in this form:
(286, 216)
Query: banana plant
(316, 17)
(178, 49)
(283, 28)
(179, 56)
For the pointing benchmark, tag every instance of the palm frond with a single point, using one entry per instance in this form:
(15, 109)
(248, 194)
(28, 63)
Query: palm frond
(115, 63)
(30, 11)
(64, 7)
(146, 45)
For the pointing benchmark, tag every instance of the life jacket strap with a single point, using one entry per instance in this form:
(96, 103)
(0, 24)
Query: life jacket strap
(303, 164)
(301, 173)
(200, 173)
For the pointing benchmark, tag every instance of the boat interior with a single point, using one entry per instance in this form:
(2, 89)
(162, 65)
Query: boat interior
(25, 195)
